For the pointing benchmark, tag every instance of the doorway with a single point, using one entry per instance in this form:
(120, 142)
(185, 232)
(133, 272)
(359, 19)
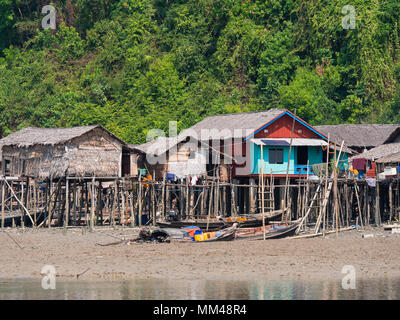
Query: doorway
(302, 155)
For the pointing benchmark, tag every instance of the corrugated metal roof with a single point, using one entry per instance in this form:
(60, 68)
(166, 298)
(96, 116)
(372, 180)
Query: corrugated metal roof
(295, 142)
(380, 151)
(234, 125)
(394, 157)
(361, 135)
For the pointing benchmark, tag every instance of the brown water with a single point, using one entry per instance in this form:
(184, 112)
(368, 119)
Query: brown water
(198, 290)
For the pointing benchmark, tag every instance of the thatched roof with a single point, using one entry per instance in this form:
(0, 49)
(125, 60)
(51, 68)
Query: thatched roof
(245, 121)
(241, 122)
(394, 157)
(48, 136)
(236, 125)
(361, 135)
(383, 150)
(158, 146)
(161, 145)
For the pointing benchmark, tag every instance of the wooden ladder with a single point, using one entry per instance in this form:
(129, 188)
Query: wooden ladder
(309, 207)
(322, 207)
(324, 204)
(269, 199)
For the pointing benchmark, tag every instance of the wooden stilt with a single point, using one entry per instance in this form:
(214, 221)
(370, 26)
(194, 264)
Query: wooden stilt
(3, 203)
(390, 201)
(262, 191)
(140, 201)
(93, 204)
(377, 204)
(66, 216)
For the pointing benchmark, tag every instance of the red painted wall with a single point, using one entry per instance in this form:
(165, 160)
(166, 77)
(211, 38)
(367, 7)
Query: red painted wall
(282, 128)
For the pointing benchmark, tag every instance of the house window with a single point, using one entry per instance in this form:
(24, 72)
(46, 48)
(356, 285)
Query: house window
(276, 156)
(7, 165)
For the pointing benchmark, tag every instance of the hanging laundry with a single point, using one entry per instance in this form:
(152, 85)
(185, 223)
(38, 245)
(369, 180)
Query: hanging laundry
(371, 182)
(193, 182)
(361, 174)
(359, 164)
(170, 177)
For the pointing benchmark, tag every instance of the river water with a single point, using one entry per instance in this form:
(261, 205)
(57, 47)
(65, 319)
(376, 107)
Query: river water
(198, 290)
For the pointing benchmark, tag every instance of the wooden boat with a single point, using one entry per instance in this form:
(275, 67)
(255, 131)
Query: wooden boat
(213, 224)
(273, 231)
(248, 220)
(196, 234)
(222, 235)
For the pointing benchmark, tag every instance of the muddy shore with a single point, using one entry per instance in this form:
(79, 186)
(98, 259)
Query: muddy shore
(76, 252)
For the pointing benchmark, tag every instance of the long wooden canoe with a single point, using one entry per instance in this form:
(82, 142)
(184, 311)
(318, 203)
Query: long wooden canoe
(248, 220)
(273, 231)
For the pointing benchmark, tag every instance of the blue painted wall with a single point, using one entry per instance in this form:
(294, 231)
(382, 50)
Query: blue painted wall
(314, 157)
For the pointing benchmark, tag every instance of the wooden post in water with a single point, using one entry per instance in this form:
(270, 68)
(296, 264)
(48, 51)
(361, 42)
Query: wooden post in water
(210, 204)
(35, 200)
(335, 194)
(233, 201)
(346, 193)
(262, 190)
(163, 198)
(74, 202)
(93, 203)
(390, 201)
(3, 191)
(50, 202)
(123, 202)
(287, 169)
(326, 186)
(66, 217)
(187, 199)
(377, 204)
(140, 200)
(114, 203)
(153, 202)
(22, 201)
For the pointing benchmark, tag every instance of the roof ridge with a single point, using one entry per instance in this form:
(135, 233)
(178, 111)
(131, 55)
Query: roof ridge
(359, 124)
(244, 112)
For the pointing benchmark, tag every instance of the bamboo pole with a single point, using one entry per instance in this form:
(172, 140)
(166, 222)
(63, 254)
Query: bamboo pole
(114, 202)
(262, 191)
(21, 204)
(288, 165)
(210, 204)
(140, 200)
(35, 196)
(66, 218)
(377, 204)
(390, 201)
(153, 203)
(93, 203)
(326, 185)
(335, 195)
(163, 197)
(50, 207)
(3, 191)
(123, 203)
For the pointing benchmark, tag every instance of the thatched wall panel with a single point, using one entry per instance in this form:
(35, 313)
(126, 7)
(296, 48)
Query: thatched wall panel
(92, 154)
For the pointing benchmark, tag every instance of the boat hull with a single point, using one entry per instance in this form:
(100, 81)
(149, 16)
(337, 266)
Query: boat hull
(270, 233)
(248, 221)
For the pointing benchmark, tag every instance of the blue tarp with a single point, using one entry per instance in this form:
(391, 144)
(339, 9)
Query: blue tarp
(275, 142)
